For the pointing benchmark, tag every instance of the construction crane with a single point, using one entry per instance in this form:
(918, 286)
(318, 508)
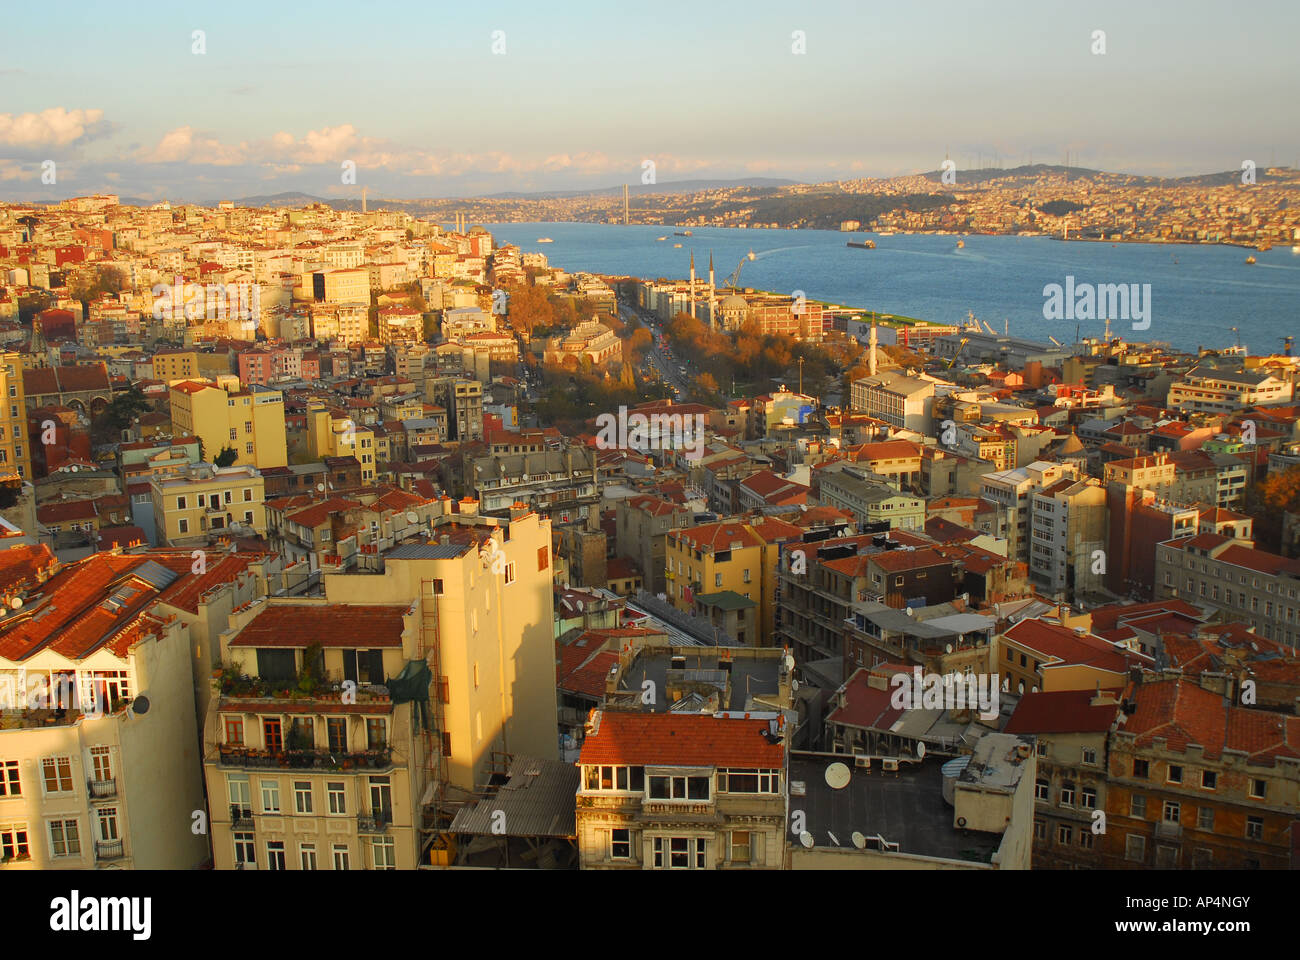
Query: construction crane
(733, 281)
(992, 332)
(1055, 341)
(961, 345)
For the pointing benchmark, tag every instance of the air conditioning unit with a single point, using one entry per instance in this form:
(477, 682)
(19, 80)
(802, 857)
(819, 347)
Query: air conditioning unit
(889, 766)
(861, 762)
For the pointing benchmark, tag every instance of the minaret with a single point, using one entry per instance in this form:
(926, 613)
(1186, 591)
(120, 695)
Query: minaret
(692, 294)
(871, 356)
(713, 304)
(363, 200)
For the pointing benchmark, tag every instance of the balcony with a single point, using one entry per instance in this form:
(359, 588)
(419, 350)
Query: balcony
(380, 759)
(377, 821)
(241, 818)
(109, 850)
(102, 789)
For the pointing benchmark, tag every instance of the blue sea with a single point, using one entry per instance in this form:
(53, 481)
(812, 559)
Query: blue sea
(1198, 292)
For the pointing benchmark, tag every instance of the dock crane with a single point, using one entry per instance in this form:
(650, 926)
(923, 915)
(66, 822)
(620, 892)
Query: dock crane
(1055, 341)
(732, 282)
(961, 345)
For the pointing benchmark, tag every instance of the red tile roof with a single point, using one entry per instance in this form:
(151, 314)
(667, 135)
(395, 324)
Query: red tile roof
(1062, 712)
(865, 705)
(24, 566)
(1183, 713)
(329, 624)
(694, 739)
(1059, 643)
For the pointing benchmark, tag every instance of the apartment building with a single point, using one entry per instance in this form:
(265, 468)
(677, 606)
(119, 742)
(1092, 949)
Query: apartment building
(1058, 653)
(397, 323)
(222, 416)
(682, 791)
(169, 365)
(870, 501)
(642, 525)
(1198, 782)
(1207, 390)
(97, 742)
(1012, 491)
(895, 398)
(1245, 583)
(1067, 553)
(333, 433)
(301, 776)
(463, 401)
(560, 483)
(206, 502)
(341, 286)
(15, 451)
(1070, 728)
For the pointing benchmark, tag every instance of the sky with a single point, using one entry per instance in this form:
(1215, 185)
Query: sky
(436, 99)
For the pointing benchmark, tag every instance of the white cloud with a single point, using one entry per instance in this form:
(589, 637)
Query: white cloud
(55, 127)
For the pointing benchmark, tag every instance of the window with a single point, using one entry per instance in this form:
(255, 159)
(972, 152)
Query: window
(1205, 818)
(13, 842)
(307, 856)
(1175, 773)
(1255, 828)
(341, 858)
(1040, 748)
(376, 733)
(235, 731)
(544, 558)
(749, 781)
(1173, 811)
(1166, 856)
(1258, 788)
(1088, 798)
(275, 855)
(1064, 834)
(244, 850)
(1209, 779)
(1040, 830)
(510, 573)
(1089, 755)
(107, 817)
(1137, 807)
(678, 852)
(337, 729)
(1086, 838)
(337, 797)
(302, 796)
(741, 846)
(1141, 769)
(237, 790)
(65, 838)
(620, 844)
(180, 503)
(58, 774)
(1202, 858)
(270, 796)
(385, 853)
(248, 495)
(10, 785)
(1067, 794)
(1041, 789)
(1135, 847)
(381, 797)
(679, 788)
(272, 734)
(183, 525)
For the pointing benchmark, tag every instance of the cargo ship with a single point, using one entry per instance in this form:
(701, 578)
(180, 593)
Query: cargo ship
(682, 233)
(864, 245)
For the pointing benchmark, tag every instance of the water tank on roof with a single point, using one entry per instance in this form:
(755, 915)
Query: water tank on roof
(951, 771)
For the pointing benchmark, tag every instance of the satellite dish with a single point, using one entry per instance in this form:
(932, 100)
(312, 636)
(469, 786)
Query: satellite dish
(16, 603)
(920, 750)
(412, 517)
(794, 686)
(807, 840)
(909, 611)
(140, 705)
(838, 776)
(320, 486)
(789, 662)
(859, 840)
(947, 648)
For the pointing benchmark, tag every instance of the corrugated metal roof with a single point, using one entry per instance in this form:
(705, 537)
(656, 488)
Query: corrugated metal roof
(428, 551)
(538, 800)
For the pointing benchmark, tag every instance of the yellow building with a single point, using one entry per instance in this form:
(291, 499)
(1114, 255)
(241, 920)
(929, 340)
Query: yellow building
(208, 501)
(15, 452)
(305, 778)
(169, 365)
(341, 286)
(332, 433)
(222, 415)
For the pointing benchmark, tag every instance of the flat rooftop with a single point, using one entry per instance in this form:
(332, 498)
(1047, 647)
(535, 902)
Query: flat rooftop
(750, 677)
(907, 809)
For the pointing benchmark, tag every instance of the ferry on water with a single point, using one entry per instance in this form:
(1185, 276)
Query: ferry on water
(545, 240)
(864, 245)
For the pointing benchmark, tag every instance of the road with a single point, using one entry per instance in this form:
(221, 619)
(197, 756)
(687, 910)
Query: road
(665, 365)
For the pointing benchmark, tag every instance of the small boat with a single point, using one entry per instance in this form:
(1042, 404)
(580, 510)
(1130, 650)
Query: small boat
(1250, 259)
(864, 245)
(657, 239)
(960, 244)
(682, 233)
(1263, 247)
(545, 240)
(676, 245)
(1296, 249)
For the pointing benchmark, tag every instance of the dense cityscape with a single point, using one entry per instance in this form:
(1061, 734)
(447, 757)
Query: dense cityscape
(394, 547)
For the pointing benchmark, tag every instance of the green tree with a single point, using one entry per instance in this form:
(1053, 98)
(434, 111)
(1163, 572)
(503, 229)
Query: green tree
(226, 458)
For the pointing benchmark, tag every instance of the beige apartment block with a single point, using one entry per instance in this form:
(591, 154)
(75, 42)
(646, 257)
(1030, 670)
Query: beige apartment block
(206, 502)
